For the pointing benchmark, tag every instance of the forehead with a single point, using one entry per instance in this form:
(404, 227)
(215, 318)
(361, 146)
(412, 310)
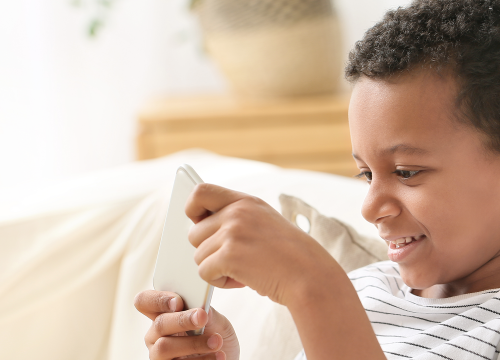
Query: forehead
(415, 110)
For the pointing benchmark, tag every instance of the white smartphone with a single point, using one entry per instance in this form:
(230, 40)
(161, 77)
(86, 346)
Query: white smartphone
(175, 268)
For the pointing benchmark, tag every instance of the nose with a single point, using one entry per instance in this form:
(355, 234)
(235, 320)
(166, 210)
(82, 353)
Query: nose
(380, 204)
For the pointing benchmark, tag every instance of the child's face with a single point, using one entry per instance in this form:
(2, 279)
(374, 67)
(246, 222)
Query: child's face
(432, 180)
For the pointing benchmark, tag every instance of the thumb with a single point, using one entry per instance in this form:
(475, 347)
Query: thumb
(218, 323)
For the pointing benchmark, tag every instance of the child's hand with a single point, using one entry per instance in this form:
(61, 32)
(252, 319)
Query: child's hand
(241, 240)
(166, 338)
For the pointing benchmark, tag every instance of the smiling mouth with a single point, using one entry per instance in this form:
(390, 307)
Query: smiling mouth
(401, 242)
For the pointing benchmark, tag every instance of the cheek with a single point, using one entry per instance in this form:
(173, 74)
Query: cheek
(453, 222)
(462, 229)
(448, 212)
(465, 213)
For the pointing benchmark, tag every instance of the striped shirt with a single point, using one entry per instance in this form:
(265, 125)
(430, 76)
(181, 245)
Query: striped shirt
(411, 327)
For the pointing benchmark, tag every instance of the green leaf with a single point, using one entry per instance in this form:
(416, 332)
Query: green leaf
(76, 3)
(95, 26)
(105, 3)
(193, 4)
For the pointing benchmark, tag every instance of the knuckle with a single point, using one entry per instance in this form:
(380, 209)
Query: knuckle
(237, 211)
(162, 302)
(226, 231)
(227, 330)
(198, 257)
(152, 301)
(244, 209)
(237, 228)
(159, 323)
(197, 344)
(184, 320)
(161, 348)
(233, 236)
(203, 271)
(229, 249)
(233, 229)
(252, 202)
(200, 189)
(150, 337)
(228, 235)
(192, 233)
(233, 244)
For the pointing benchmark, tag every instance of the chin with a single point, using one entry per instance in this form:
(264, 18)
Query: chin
(416, 279)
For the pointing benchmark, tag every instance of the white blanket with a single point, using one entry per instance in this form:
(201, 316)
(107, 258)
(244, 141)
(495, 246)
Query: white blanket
(73, 257)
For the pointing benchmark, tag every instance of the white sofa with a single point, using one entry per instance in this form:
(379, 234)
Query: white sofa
(73, 257)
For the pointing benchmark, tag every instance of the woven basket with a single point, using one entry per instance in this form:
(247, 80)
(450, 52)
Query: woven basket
(274, 48)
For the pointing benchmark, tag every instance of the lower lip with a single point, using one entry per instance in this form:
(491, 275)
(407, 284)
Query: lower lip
(398, 255)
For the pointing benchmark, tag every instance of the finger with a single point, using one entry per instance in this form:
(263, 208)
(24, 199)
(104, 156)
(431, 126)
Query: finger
(233, 284)
(207, 198)
(208, 247)
(173, 323)
(219, 355)
(152, 303)
(210, 271)
(170, 347)
(218, 323)
(204, 229)
(213, 269)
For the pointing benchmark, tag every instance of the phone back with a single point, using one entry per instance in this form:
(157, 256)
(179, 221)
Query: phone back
(175, 268)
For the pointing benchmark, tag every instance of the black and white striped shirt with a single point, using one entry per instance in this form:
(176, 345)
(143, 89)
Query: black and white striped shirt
(411, 327)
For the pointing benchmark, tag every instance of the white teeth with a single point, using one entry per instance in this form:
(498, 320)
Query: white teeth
(398, 243)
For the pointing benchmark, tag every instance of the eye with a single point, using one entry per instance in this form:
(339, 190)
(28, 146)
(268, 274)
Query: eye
(406, 174)
(366, 174)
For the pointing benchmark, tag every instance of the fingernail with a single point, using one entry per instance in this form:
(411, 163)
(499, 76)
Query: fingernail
(194, 318)
(172, 304)
(220, 356)
(213, 342)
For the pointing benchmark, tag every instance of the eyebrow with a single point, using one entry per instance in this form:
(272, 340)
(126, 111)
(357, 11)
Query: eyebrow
(401, 148)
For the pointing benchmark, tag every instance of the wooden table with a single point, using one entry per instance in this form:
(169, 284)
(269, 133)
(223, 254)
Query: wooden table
(305, 133)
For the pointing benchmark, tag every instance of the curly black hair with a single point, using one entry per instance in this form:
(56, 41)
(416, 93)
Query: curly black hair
(458, 35)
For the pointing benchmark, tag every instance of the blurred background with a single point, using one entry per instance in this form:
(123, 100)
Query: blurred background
(87, 87)
(75, 74)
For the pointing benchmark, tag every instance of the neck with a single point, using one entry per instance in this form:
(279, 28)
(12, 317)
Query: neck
(487, 277)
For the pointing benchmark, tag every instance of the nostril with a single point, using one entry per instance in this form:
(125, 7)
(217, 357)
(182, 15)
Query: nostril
(303, 223)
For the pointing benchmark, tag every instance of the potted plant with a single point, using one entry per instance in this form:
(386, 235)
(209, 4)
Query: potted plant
(266, 48)
(273, 47)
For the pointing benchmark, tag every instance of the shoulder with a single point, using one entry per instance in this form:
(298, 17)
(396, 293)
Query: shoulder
(381, 276)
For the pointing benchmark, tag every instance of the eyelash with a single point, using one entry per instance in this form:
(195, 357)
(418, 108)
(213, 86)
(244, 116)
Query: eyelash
(364, 173)
(412, 173)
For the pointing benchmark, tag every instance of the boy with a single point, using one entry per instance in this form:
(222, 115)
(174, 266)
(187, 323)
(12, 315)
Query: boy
(425, 128)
